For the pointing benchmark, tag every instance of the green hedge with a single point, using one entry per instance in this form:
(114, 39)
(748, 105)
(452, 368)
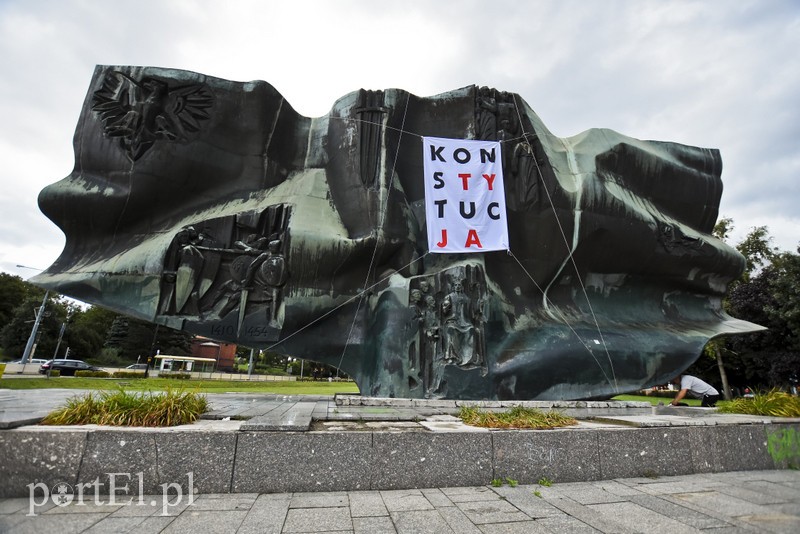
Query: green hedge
(129, 374)
(93, 374)
(178, 376)
(55, 373)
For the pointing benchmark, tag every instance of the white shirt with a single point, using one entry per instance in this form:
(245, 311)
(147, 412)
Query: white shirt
(697, 388)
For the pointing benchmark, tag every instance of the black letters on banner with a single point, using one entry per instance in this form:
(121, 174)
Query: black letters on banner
(461, 155)
(437, 176)
(493, 206)
(487, 155)
(464, 214)
(440, 204)
(436, 153)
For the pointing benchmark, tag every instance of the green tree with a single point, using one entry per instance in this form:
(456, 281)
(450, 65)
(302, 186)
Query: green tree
(757, 250)
(723, 228)
(784, 282)
(13, 291)
(14, 335)
(134, 338)
(767, 293)
(86, 332)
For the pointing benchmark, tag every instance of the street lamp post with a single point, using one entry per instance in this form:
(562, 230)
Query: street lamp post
(61, 337)
(29, 346)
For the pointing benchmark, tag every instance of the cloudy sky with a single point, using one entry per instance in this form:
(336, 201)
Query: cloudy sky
(715, 73)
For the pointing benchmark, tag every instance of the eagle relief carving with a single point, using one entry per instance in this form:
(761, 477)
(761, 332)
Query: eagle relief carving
(139, 113)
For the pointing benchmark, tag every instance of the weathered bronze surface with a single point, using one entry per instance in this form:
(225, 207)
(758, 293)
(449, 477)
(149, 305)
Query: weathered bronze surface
(212, 206)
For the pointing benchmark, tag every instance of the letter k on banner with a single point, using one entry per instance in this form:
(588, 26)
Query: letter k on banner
(465, 203)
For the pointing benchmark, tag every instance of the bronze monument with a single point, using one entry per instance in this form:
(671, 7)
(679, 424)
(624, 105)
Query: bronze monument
(213, 207)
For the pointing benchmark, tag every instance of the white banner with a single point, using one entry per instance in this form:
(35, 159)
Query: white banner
(465, 203)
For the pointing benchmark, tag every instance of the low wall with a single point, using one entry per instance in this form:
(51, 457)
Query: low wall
(33, 369)
(229, 376)
(238, 461)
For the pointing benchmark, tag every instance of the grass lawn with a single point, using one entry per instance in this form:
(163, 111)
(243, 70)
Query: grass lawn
(204, 386)
(652, 400)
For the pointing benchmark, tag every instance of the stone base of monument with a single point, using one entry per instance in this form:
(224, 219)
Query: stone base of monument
(361, 453)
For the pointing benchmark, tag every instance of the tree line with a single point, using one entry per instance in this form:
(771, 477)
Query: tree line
(768, 294)
(91, 333)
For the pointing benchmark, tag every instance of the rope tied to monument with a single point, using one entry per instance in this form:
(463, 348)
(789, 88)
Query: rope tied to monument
(570, 258)
(550, 307)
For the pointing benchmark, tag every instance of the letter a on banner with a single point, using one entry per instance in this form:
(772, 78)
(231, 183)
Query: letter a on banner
(465, 201)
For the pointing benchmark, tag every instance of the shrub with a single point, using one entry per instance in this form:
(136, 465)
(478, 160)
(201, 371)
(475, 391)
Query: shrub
(55, 373)
(775, 403)
(124, 408)
(516, 417)
(129, 374)
(93, 374)
(178, 376)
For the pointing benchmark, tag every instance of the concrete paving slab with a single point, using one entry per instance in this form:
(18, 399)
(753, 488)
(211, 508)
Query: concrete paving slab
(458, 521)
(116, 524)
(593, 518)
(234, 501)
(76, 524)
(405, 500)
(469, 494)
(367, 504)
(721, 503)
(437, 498)
(633, 516)
(526, 501)
(508, 511)
(373, 525)
(685, 515)
(586, 493)
(520, 527)
(495, 511)
(295, 418)
(210, 522)
(15, 419)
(318, 520)
(420, 522)
(267, 515)
(565, 524)
(450, 426)
(325, 499)
(773, 489)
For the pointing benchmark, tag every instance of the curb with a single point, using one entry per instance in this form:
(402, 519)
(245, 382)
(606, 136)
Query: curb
(233, 461)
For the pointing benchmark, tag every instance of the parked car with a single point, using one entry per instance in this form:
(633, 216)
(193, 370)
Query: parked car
(37, 361)
(137, 367)
(67, 367)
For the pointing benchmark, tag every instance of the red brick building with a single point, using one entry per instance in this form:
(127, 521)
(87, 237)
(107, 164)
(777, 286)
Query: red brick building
(224, 353)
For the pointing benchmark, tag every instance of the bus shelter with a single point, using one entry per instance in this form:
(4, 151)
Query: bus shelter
(184, 363)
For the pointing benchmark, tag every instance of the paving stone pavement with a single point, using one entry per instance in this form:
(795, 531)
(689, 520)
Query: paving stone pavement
(744, 501)
(273, 412)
